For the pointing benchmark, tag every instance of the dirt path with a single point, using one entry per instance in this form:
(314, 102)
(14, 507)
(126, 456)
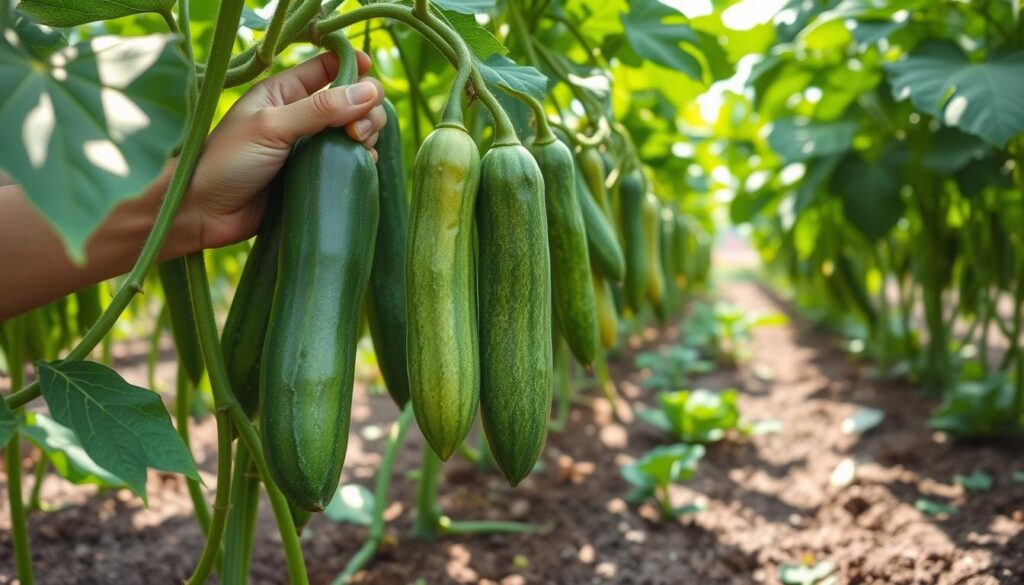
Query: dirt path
(769, 497)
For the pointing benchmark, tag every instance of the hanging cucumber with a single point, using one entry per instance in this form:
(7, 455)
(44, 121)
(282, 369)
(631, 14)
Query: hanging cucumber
(631, 214)
(571, 288)
(515, 309)
(245, 329)
(602, 243)
(385, 299)
(329, 226)
(444, 363)
(655, 288)
(183, 320)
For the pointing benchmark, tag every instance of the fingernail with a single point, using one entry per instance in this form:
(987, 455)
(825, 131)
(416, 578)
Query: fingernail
(360, 93)
(363, 128)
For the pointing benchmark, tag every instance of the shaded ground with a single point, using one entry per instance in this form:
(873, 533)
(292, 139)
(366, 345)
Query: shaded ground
(769, 498)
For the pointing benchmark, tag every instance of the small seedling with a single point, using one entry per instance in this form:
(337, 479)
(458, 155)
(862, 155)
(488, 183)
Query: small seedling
(697, 416)
(672, 367)
(978, 409)
(977, 481)
(661, 467)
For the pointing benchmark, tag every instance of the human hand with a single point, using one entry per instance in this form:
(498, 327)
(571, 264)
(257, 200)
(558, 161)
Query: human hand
(228, 193)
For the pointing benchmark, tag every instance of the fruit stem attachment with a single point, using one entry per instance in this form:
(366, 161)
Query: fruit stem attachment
(544, 133)
(348, 67)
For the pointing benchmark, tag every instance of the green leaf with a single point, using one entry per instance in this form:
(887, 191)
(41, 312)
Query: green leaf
(935, 508)
(700, 416)
(797, 139)
(465, 6)
(8, 423)
(124, 429)
(656, 30)
(76, 12)
(656, 418)
(671, 463)
(870, 192)
(982, 98)
(499, 71)
(817, 173)
(1018, 476)
(977, 481)
(352, 503)
(977, 409)
(65, 453)
(42, 40)
(480, 40)
(951, 150)
(91, 125)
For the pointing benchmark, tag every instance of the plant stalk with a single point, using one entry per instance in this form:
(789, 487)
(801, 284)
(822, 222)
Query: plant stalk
(380, 497)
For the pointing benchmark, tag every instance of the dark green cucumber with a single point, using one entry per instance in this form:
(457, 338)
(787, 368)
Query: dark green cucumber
(385, 299)
(329, 226)
(605, 252)
(89, 307)
(571, 288)
(444, 362)
(515, 309)
(603, 246)
(631, 214)
(655, 288)
(245, 329)
(183, 320)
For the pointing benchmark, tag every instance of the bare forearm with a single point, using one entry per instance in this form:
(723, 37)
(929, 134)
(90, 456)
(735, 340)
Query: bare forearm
(35, 269)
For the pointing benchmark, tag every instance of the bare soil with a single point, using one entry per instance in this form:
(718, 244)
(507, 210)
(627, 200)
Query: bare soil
(769, 498)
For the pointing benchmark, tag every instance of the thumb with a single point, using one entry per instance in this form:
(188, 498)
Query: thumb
(336, 106)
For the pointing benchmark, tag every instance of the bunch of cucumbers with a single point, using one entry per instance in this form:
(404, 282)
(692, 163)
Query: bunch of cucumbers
(462, 288)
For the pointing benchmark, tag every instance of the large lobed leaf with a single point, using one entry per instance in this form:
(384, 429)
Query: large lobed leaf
(656, 31)
(500, 71)
(90, 125)
(983, 97)
(125, 429)
(870, 191)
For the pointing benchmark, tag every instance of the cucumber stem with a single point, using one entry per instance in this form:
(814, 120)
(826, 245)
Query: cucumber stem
(182, 407)
(428, 511)
(348, 67)
(242, 496)
(544, 133)
(380, 498)
(12, 458)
